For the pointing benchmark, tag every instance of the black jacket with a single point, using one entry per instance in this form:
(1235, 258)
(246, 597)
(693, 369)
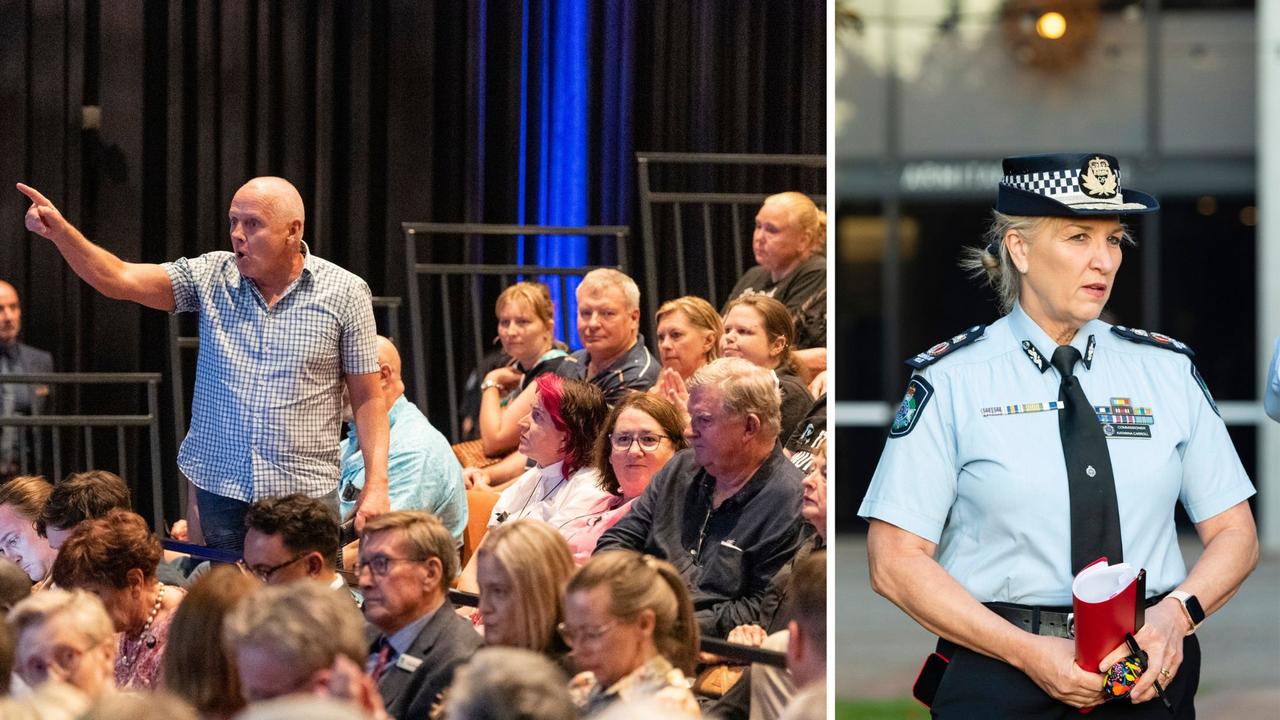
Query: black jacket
(747, 539)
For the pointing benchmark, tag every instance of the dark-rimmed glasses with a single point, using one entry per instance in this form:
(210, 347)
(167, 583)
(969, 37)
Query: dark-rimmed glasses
(264, 574)
(380, 564)
(648, 442)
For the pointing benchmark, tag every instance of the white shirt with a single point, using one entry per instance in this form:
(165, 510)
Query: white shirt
(546, 494)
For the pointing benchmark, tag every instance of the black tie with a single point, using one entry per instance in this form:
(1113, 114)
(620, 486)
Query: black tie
(1095, 515)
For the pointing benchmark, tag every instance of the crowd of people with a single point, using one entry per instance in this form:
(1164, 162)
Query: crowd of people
(641, 499)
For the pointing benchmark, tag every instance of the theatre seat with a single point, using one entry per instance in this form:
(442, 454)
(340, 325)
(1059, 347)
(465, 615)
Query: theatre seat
(479, 506)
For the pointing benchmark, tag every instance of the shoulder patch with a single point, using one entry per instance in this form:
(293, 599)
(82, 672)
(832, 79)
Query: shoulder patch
(923, 360)
(1204, 387)
(1154, 339)
(917, 396)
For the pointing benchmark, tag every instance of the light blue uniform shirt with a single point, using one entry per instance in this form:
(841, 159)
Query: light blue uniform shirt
(422, 471)
(990, 488)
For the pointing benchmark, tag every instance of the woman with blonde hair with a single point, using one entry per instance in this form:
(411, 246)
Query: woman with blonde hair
(633, 634)
(195, 667)
(526, 329)
(689, 331)
(522, 569)
(788, 242)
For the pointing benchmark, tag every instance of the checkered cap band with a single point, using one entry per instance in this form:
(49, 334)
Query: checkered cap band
(1064, 187)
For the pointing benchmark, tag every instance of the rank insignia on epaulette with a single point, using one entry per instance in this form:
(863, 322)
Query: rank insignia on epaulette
(1154, 339)
(923, 360)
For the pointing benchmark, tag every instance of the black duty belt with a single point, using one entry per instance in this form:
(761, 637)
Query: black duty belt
(1053, 622)
(1048, 621)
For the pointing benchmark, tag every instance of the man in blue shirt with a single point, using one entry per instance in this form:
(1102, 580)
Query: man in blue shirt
(613, 355)
(281, 331)
(422, 471)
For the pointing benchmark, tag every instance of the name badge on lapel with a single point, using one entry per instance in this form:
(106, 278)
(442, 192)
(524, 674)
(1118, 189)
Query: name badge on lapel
(408, 663)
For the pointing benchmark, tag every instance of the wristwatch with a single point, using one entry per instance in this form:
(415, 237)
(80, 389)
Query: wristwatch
(489, 384)
(1190, 607)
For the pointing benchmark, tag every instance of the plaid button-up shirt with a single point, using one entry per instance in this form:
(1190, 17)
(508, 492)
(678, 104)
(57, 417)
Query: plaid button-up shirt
(267, 407)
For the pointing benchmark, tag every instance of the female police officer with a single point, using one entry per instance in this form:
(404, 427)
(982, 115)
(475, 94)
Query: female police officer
(1027, 449)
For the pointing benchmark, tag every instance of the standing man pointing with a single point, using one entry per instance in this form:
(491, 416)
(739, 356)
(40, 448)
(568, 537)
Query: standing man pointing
(280, 331)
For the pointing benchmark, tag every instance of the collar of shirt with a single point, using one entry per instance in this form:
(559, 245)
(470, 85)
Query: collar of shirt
(751, 487)
(1026, 329)
(637, 356)
(550, 478)
(308, 270)
(403, 638)
(9, 351)
(393, 412)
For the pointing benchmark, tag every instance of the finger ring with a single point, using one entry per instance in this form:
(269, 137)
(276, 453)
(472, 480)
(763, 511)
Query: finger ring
(1164, 673)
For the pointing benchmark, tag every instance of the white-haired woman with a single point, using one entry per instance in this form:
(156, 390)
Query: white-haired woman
(1026, 450)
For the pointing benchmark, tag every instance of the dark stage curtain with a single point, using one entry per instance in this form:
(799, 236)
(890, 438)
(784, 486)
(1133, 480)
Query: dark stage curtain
(141, 119)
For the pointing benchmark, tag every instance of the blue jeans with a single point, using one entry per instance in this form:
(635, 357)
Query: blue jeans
(222, 518)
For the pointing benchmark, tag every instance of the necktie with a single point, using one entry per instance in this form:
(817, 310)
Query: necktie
(384, 655)
(1095, 514)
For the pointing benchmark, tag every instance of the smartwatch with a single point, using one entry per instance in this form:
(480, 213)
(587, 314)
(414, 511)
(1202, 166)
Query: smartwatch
(1190, 608)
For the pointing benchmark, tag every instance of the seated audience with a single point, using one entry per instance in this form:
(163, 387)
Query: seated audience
(422, 471)
(79, 497)
(522, 569)
(641, 434)
(689, 331)
(407, 560)
(630, 624)
(527, 331)
(728, 509)
(507, 683)
(293, 537)
(194, 665)
(789, 239)
(115, 557)
(286, 639)
(613, 355)
(769, 688)
(558, 434)
(21, 500)
(807, 645)
(758, 329)
(64, 636)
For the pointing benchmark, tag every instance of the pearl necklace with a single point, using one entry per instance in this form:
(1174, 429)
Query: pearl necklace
(150, 640)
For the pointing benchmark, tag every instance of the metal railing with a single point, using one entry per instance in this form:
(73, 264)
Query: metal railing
(722, 220)
(55, 423)
(474, 297)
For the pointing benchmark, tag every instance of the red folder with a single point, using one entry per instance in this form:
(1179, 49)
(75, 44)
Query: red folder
(1101, 625)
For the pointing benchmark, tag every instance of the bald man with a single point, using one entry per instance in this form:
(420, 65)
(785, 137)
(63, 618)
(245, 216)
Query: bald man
(280, 332)
(422, 471)
(16, 357)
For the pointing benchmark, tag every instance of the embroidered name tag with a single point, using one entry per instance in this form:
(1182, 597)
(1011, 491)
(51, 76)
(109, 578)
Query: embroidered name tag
(1020, 408)
(1123, 419)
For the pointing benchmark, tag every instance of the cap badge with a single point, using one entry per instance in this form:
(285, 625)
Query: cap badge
(1099, 179)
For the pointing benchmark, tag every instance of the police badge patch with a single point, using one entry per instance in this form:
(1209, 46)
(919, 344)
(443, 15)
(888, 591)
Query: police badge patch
(1204, 387)
(918, 393)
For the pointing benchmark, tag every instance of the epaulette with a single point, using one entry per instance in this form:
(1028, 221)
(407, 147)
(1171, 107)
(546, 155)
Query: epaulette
(933, 354)
(1154, 339)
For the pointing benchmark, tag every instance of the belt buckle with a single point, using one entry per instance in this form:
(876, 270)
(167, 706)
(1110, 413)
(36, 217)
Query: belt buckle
(1071, 626)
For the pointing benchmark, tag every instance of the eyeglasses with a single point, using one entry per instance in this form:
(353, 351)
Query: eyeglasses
(648, 442)
(379, 565)
(264, 574)
(574, 637)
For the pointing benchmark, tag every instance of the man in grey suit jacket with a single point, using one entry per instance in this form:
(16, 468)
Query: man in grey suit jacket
(407, 561)
(15, 399)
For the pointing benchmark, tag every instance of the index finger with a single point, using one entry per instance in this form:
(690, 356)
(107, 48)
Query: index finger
(33, 194)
